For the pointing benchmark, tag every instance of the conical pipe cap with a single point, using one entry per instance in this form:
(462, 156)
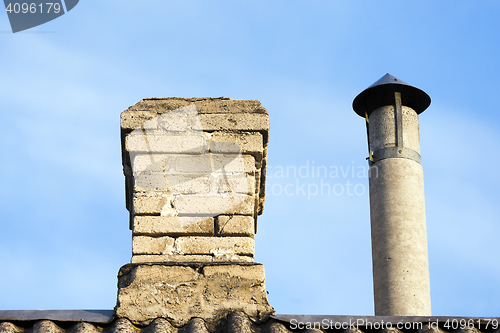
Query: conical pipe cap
(381, 93)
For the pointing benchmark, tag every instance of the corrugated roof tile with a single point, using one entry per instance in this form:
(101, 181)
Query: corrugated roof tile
(195, 325)
(7, 327)
(121, 325)
(47, 326)
(84, 328)
(159, 325)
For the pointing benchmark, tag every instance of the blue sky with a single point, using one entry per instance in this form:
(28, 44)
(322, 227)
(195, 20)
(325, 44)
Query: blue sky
(63, 85)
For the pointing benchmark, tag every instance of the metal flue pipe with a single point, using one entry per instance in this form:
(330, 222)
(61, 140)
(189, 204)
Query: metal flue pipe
(397, 206)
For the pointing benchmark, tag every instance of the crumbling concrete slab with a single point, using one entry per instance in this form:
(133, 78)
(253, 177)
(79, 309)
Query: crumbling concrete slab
(179, 293)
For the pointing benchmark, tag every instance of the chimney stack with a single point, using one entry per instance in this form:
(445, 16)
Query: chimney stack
(397, 207)
(195, 182)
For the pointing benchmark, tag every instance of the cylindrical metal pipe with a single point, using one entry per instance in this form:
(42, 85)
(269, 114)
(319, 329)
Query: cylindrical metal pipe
(397, 212)
(397, 206)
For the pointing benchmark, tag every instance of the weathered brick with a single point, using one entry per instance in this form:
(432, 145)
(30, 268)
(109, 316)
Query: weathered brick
(244, 272)
(204, 163)
(215, 205)
(188, 184)
(176, 183)
(190, 258)
(161, 203)
(151, 202)
(130, 120)
(149, 162)
(248, 142)
(217, 246)
(149, 182)
(172, 225)
(179, 120)
(234, 165)
(152, 245)
(235, 122)
(235, 225)
(161, 142)
(235, 184)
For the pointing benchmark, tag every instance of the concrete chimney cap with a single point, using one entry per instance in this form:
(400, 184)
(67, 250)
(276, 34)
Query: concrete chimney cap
(381, 93)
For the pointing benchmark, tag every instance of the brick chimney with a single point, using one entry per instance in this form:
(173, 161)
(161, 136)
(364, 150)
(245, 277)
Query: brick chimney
(195, 183)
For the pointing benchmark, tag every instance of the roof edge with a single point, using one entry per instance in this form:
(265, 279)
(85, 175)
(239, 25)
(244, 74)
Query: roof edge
(91, 316)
